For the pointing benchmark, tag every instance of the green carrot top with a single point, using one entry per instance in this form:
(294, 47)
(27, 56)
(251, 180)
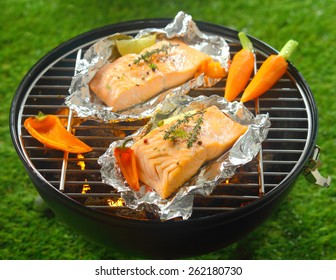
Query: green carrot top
(288, 49)
(245, 41)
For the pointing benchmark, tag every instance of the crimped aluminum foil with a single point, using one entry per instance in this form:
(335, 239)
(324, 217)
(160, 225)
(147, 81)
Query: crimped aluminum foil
(85, 104)
(209, 176)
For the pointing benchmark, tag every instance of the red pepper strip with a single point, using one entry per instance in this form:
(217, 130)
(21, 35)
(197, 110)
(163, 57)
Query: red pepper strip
(125, 159)
(240, 70)
(273, 68)
(49, 130)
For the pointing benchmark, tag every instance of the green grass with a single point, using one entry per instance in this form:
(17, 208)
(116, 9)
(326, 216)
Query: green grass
(303, 227)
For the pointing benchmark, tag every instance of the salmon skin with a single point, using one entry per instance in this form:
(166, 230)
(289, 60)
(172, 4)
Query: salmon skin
(135, 78)
(164, 157)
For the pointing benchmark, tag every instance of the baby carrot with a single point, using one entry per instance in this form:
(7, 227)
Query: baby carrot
(273, 68)
(240, 69)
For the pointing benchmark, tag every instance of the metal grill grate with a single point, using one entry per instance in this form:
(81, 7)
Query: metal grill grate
(280, 152)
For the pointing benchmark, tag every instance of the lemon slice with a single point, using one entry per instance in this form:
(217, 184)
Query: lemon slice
(135, 45)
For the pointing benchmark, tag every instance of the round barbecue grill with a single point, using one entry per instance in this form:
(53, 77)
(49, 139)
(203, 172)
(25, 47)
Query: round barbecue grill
(72, 186)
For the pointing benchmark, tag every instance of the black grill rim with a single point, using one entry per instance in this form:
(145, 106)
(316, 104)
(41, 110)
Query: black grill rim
(88, 37)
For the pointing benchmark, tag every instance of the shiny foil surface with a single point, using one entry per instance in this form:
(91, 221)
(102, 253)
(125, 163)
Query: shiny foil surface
(85, 104)
(209, 176)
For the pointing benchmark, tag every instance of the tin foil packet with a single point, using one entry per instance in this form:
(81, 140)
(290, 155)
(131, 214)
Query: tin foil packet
(85, 104)
(180, 205)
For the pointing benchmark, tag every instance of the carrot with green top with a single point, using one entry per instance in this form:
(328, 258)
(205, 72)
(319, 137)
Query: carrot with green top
(273, 68)
(241, 68)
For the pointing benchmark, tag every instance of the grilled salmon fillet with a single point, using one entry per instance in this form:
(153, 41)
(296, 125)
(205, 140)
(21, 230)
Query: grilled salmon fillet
(165, 163)
(135, 78)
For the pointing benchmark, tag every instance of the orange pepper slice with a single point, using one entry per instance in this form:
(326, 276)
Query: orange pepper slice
(212, 69)
(49, 130)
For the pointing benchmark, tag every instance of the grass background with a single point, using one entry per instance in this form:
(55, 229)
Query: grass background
(303, 227)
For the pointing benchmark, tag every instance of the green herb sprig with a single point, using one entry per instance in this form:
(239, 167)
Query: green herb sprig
(176, 132)
(147, 56)
(195, 132)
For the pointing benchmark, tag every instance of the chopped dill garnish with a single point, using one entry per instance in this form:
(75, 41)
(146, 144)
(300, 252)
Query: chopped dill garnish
(176, 132)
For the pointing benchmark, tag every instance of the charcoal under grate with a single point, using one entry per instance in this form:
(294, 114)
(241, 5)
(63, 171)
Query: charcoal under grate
(285, 103)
